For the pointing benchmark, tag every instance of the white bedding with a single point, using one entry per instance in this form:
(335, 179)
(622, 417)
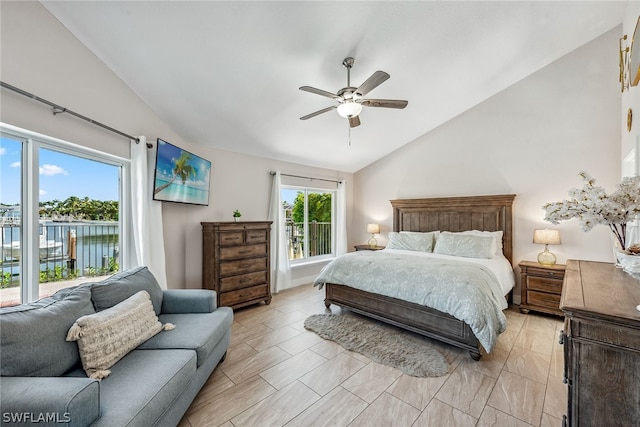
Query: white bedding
(499, 265)
(470, 289)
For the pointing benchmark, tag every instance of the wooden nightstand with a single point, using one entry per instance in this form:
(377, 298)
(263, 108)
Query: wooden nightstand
(541, 287)
(368, 248)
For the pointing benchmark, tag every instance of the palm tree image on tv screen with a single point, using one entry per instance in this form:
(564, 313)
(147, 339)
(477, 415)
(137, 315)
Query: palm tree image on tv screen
(180, 176)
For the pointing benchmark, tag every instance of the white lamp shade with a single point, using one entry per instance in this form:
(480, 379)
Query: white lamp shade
(546, 237)
(373, 228)
(349, 109)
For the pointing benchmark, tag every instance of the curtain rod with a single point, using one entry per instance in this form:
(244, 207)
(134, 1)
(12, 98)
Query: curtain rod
(308, 177)
(57, 109)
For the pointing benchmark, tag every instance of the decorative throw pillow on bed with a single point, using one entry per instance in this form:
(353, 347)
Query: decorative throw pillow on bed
(422, 242)
(107, 336)
(497, 235)
(465, 245)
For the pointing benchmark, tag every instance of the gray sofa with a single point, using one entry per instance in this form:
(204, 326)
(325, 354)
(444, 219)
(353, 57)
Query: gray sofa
(42, 381)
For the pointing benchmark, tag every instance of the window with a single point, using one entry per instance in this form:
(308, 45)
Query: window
(60, 214)
(309, 224)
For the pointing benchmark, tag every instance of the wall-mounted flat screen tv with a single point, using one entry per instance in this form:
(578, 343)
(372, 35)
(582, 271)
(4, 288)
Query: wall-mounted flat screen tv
(180, 176)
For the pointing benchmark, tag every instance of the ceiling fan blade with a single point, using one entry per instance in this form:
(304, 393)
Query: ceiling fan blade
(372, 82)
(317, 113)
(319, 92)
(384, 103)
(354, 121)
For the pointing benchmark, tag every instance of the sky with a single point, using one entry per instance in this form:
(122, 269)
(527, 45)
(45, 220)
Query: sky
(61, 176)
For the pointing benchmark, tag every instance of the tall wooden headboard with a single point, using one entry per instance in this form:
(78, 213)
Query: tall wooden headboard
(485, 213)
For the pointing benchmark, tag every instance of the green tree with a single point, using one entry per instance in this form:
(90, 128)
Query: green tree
(84, 208)
(319, 207)
(181, 169)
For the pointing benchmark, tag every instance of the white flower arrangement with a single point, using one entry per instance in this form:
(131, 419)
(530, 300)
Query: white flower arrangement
(591, 205)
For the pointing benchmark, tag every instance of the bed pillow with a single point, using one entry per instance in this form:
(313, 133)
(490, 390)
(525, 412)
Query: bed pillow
(497, 235)
(465, 245)
(108, 335)
(422, 242)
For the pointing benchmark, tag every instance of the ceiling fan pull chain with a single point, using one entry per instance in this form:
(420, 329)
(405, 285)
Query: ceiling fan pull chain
(349, 136)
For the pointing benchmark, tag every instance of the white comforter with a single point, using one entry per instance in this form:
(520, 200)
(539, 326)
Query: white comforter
(470, 289)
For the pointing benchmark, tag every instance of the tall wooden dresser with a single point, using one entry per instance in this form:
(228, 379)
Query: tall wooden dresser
(236, 261)
(601, 345)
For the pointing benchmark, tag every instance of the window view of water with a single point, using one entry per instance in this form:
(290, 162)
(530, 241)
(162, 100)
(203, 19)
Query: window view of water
(77, 236)
(67, 251)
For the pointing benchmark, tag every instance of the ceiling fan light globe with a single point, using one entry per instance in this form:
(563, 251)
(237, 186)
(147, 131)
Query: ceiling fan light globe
(349, 109)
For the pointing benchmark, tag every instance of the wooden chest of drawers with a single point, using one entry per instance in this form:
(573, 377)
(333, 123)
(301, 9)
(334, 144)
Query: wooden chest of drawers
(236, 261)
(541, 287)
(601, 345)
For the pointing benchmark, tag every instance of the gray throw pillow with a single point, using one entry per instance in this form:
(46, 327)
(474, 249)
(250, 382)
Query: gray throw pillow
(32, 336)
(121, 286)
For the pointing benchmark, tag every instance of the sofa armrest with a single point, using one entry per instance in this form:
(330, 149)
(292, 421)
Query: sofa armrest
(177, 301)
(72, 401)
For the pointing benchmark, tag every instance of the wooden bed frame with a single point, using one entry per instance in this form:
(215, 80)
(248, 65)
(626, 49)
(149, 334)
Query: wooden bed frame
(486, 213)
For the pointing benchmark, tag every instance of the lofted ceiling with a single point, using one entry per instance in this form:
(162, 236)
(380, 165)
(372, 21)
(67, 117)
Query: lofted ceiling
(226, 73)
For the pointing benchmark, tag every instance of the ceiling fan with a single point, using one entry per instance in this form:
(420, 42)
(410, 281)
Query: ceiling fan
(350, 99)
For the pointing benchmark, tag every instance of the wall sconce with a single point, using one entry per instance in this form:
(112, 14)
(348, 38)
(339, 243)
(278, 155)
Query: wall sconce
(546, 237)
(373, 229)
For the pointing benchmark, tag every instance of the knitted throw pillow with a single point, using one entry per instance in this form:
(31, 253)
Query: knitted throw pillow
(107, 336)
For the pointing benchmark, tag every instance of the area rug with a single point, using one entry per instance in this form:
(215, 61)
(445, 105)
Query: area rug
(412, 354)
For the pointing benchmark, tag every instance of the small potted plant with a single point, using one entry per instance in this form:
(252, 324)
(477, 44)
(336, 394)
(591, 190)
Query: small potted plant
(236, 215)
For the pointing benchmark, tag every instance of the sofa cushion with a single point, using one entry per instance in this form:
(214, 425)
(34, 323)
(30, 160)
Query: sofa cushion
(107, 336)
(121, 286)
(50, 401)
(195, 331)
(143, 385)
(32, 336)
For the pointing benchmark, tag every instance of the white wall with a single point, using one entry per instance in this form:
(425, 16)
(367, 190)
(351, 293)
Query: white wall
(631, 100)
(531, 139)
(40, 56)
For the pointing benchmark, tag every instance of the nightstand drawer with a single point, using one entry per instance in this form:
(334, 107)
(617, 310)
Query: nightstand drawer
(543, 299)
(544, 284)
(544, 272)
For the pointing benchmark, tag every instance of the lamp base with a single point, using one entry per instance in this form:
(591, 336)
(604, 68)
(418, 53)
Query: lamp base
(546, 258)
(372, 242)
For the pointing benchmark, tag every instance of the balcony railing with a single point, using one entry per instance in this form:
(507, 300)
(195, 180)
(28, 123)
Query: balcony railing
(67, 251)
(319, 239)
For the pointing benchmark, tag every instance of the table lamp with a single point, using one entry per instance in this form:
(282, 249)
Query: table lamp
(373, 229)
(546, 237)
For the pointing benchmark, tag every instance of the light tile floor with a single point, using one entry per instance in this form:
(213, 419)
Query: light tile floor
(279, 374)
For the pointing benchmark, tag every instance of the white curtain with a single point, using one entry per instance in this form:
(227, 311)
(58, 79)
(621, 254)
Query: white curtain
(280, 268)
(341, 220)
(147, 235)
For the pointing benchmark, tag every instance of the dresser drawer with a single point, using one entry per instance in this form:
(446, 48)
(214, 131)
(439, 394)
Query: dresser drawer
(243, 251)
(241, 266)
(543, 299)
(256, 236)
(241, 295)
(545, 284)
(615, 335)
(242, 281)
(231, 238)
